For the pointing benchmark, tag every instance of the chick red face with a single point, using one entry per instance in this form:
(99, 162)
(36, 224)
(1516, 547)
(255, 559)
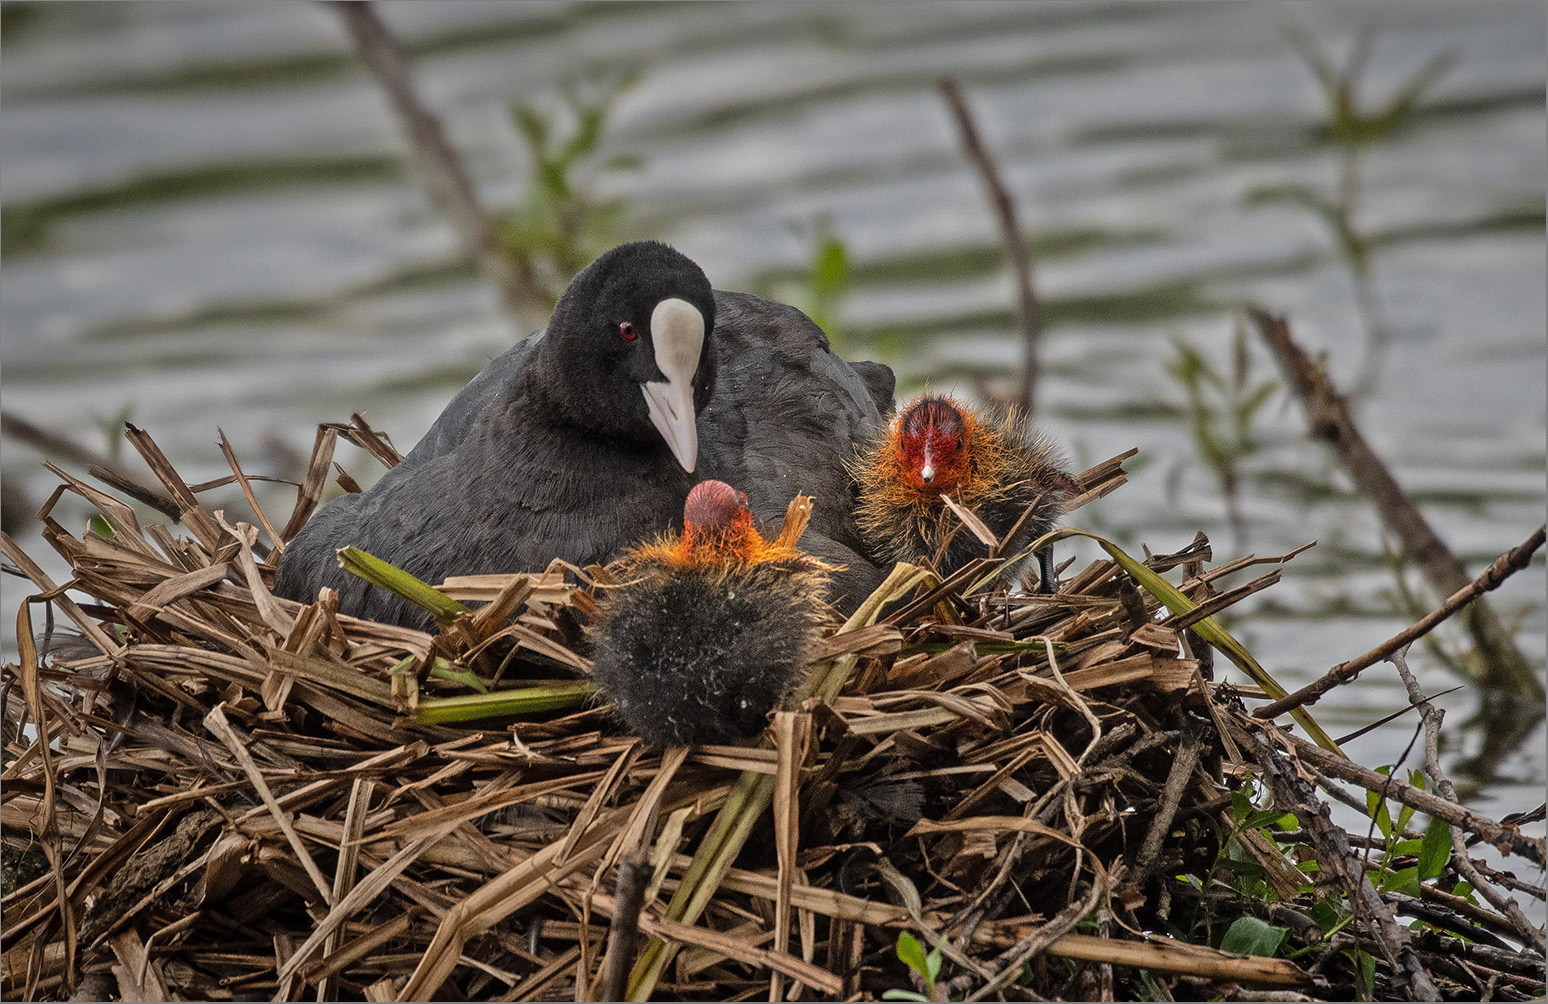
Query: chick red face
(716, 516)
(932, 446)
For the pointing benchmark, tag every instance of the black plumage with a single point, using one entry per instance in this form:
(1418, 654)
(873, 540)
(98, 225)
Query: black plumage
(700, 656)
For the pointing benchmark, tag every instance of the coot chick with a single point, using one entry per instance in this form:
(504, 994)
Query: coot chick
(712, 627)
(586, 448)
(993, 465)
(784, 415)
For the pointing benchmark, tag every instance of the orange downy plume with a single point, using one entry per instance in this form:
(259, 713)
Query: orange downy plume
(718, 533)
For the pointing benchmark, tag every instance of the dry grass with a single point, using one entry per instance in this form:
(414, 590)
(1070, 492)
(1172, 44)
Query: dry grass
(231, 796)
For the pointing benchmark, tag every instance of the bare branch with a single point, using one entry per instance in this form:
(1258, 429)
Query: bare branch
(1328, 416)
(451, 189)
(1504, 566)
(1459, 859)
(1029, 313)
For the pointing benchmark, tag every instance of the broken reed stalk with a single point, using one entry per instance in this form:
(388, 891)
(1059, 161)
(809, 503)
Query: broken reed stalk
(985, 771)
(1502, 568)
(451, 188)
(1329, 419)
(100, 466)
(1029, 312)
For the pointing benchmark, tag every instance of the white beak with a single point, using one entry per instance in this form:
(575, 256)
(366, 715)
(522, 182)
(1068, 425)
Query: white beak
(677, 331)
(927, 473)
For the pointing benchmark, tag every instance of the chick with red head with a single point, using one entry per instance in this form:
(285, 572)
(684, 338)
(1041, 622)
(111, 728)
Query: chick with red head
(711, 627)
(995, 466)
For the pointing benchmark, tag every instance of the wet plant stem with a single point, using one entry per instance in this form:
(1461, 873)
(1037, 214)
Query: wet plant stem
(1329, 419)
(451, 188)
(1029, 312)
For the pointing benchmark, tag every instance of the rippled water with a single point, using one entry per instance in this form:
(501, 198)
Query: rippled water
(210, 222)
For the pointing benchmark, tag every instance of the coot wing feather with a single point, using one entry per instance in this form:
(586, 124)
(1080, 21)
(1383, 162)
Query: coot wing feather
(452, 513)
(464, 414)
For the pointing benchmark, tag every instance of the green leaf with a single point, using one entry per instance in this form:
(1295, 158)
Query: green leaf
(1435, 849)
(380, 573)
(1261, 818)
(1249, 869)
(912, 954)
(1365, 974)
(444, 670)
(1325, 915)
(1251, 936)
(1376, 808)
(528, 700)
(1254, 401)
(532, 125)
(1404, 880)
(903, 995)
(1397, 112)
(933, 964)
(830, 267)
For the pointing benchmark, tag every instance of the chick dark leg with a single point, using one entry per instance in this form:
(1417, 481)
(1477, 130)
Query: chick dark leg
(1046, 582)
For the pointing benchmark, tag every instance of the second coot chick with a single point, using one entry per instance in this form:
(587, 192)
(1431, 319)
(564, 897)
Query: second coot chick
(994, 466)
(712, 627)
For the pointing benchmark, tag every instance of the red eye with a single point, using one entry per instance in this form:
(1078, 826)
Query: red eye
(627, 331)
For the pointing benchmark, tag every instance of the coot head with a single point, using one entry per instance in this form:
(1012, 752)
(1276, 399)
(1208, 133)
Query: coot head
(628, 353)
(933, 445)
(716, 517)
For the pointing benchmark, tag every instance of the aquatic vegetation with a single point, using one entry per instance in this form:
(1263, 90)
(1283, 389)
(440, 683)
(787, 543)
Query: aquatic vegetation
(1222, 410)
(561, 223)
(1353, 129)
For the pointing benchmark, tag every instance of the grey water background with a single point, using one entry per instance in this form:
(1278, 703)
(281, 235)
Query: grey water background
(212, 221)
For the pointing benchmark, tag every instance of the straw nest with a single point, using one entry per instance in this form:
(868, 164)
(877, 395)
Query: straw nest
(240, 797)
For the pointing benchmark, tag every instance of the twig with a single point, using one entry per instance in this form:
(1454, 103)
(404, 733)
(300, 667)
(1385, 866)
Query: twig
(628, 900)
(1012, 959)
(98, 465)
(1171, 796)
(1329, 419)
(1504, 566)
(1431, 715)
(451, 189)
(1029, 313)
(1337, 859)
(1507, 838)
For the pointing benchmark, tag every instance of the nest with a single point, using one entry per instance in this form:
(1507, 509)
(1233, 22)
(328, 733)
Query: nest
(975, 795)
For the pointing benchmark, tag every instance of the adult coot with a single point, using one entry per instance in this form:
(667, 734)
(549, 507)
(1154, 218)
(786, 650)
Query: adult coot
(580, 439)
(710, 628)
(993, 465)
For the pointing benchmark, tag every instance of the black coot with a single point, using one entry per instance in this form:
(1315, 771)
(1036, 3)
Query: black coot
(579, 440)
(589, 446)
